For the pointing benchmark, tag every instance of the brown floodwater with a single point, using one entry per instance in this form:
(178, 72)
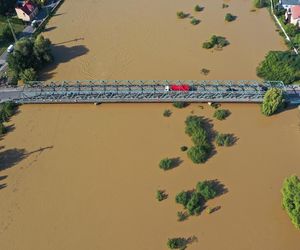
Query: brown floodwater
(85, 177)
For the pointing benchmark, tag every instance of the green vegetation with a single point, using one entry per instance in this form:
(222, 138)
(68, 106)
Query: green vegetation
(224, 139)
(183, 198)
(260, 3)
(181, 216)
(6, 37)
(30, 55)
(161, 195)
(28, 75)
(198, 154)
(195, 21)
(229, 17)
(273, 101)
(180, 105)
(280, 66)
(177, 243)
(181, 15)
(7, 109)
(198, 8)
(215, 41)
(196, 130)
(167, 113)
(221, 114)
(194, 201)
(165, 164)
(183, 148)
(225, 6)
(291, 199)
(206, 189)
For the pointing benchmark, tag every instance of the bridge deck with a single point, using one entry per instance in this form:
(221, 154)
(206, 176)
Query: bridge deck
(142, 91)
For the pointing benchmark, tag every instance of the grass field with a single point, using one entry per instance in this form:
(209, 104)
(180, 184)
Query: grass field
(17, 28)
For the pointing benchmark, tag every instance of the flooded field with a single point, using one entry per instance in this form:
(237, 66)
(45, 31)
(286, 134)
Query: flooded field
(139, 39)
(85, 177)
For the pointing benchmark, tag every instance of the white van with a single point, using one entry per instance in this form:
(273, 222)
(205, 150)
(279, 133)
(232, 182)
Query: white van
(10, 48)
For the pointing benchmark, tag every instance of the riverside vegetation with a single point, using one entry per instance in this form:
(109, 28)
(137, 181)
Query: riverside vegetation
(215, 41)
(273, 101)
(291, 199)
(29, 55)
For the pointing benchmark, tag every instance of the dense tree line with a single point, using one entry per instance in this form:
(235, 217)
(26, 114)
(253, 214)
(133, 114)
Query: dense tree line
(29, 56)
(280, 66)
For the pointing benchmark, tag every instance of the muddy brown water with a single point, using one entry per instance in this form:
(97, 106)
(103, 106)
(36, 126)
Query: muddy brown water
(85, 177)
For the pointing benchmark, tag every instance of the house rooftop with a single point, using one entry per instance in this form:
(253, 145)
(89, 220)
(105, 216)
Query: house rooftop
(27, 7)
(290, 2)
(295, 12)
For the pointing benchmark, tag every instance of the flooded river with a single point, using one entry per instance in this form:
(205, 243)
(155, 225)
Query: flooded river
(85, 177)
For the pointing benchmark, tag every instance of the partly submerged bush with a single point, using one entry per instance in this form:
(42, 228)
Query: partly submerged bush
(273, 101)
(224, 139)
(179, 105)
(291, 199)
(181, 14)
(195, 21)
(198, 154)
(166, 164)
(161, 195)
(167, 113)
(229, 17)
(215, 41)
(177, 243)
(221, 114)
(198, 8)
(206, 189)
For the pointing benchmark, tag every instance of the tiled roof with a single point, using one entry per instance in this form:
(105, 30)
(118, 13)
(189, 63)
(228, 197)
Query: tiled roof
(295, 12)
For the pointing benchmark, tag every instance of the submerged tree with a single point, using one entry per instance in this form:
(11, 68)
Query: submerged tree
(273, 101)
(291, 199)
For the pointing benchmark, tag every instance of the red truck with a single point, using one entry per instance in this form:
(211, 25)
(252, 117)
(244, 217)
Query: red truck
(182, 87)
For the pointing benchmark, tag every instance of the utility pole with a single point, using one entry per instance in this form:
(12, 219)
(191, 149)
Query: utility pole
(12, 30)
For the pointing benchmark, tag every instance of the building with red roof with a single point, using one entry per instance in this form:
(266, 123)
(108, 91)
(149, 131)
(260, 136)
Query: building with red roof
(26, 10)
(295, 15)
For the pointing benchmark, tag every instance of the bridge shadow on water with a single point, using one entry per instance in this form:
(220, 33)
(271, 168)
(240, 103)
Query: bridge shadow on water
(11, 157)
(62, 54)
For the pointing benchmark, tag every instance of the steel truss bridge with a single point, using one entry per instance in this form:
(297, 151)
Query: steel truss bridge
(122, 91)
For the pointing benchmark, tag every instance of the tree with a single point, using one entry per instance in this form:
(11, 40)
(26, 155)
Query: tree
(195, 204)
(183, 198)
(28, 75)
(166, 164)
(200, 137)
(2, 129)
(280, 66)
(224, 139)
(192, 124)
(42, 51)
(22, 57)
(198, 154)
(176, 243)
(29, 54)
(206, 189)
(221, 114)
(6, 111)
(291, 199)
(273, 101)
(7, 6)
(6, 33)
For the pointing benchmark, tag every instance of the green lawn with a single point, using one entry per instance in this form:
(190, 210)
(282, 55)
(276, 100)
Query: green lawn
(17, 28)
